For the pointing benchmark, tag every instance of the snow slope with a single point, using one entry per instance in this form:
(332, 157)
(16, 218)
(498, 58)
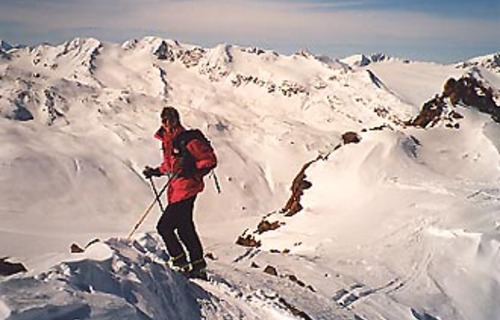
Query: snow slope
(128, 280)
(402, 225)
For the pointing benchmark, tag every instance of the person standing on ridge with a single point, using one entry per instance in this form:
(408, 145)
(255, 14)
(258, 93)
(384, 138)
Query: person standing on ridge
(187, 158)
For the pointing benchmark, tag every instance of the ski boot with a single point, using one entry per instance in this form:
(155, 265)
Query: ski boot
(198, 270)
(179, 263)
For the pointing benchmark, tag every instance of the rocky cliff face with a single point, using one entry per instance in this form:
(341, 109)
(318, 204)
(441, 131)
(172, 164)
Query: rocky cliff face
(469, 90)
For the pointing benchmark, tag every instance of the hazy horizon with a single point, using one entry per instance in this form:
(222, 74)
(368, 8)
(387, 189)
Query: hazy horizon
(448, 31)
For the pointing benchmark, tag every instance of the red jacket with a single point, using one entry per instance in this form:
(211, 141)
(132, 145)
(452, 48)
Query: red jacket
(181, 187)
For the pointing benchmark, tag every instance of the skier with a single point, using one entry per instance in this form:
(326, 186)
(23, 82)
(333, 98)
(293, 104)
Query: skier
(187, 158)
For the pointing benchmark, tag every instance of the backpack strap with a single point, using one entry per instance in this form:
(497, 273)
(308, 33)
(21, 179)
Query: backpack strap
(182, 139)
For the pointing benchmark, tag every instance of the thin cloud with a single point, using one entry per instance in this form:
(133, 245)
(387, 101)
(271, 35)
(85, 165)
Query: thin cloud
(245, 20)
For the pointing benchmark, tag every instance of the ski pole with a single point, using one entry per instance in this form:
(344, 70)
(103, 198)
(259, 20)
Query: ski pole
(146, 212)
(156, 193)
(217, 186)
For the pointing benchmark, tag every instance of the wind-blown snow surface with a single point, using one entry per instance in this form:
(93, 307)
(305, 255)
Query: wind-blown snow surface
(403, 225)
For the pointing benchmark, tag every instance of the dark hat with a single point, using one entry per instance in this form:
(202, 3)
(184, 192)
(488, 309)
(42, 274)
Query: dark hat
(170, 113)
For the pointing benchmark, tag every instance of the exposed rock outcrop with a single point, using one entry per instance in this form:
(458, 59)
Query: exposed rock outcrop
(376, 80)
(240, 79)
(50, 108)
(299, 184)
(163, 52)
(350, 137)
(287, 88)
(271, 270)
(469, 91)
(254, 50)
(191, 58)
(466, 91)
(430, 114)
(295, 311)
(248, 241)
(75, 248)
(4, 55)
(8, 268)
(265, 225)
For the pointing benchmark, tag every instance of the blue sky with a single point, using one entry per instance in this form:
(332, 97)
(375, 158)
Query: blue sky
(432, 30)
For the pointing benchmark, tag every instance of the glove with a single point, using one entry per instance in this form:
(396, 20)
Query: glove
(149, 172)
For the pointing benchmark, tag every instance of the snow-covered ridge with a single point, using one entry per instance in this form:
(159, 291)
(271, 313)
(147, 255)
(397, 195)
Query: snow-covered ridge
(105, 67)
(110, 279)
(78, 52)
(490, 62)
(361, 60)
(121, 279)
(5, 46)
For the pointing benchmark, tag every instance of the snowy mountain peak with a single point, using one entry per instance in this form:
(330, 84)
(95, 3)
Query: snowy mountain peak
(253, 50)
(361, 60)
(490, 62)
(5, 46)
(378, 57)
(220, 54)
(130, 44)
(358, 60)
(157, 41)
(161, 48)
(334, 64)
(80, 44)
(217, 62)
(305, 53)
(80, 50)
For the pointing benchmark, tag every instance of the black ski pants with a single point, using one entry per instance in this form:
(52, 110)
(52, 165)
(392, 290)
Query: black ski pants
(178, 217)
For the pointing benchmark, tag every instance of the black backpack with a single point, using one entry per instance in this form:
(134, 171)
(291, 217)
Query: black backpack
(187, 161)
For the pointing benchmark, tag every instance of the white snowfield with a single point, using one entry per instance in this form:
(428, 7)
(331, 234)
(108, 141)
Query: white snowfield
(404, 224)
